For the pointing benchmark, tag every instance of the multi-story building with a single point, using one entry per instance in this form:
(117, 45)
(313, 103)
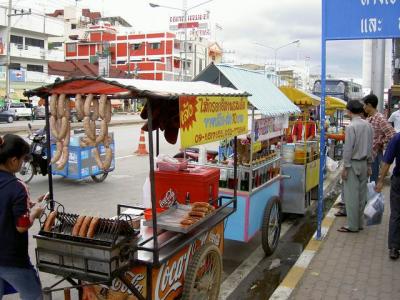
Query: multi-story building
(112, 43)
(29, 51)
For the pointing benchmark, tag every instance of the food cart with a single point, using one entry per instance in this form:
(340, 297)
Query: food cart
(335, 108)
(259, 181)
(303, 169)
(125, 257)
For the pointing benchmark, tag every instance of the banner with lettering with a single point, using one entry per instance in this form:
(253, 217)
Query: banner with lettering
(206, 119)
(268, 128)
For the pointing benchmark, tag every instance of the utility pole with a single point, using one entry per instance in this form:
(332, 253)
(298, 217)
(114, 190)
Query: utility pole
(8, 43)
(378, 71)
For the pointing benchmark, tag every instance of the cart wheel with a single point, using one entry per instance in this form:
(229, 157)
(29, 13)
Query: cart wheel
(99, 178)
(271, 227)
(26, 173)
(203, 276)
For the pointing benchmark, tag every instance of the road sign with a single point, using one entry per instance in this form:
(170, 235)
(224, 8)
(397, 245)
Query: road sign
(362, 19)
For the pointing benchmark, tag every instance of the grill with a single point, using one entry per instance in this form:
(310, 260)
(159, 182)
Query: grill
(101, 258)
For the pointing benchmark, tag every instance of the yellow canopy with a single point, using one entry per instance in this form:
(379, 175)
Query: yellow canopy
(335, 103)
(300, 97)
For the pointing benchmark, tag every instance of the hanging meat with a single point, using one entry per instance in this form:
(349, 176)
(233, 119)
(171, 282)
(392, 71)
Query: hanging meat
(60, 127)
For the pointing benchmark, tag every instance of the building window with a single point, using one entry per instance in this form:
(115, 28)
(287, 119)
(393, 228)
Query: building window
(71, 47)
(15, 66)
(136, 46)
(121, 62)
(154, 59)
(73, 26)
(155, 46)
(34, 68)
(34, 42)
(16, 39)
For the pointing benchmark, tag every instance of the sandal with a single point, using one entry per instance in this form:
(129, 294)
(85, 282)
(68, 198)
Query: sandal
(340, 213)
(345, 229)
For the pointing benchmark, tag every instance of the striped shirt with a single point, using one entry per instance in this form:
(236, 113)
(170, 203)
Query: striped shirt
(383, 132)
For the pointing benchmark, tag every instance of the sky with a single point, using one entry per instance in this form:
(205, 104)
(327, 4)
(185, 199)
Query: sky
(244, 23)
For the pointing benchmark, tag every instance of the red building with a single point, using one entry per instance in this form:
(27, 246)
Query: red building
(155, 56)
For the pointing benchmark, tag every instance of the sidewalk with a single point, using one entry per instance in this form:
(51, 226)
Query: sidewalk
(21, 126)
(352, 265)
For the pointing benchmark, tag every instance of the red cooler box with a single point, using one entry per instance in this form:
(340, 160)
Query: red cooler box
(199, 182)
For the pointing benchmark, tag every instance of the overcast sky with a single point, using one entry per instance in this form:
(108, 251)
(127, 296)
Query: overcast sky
(270, 22)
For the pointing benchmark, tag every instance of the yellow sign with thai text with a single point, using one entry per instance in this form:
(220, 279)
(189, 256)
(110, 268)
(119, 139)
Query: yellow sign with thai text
(206, 119)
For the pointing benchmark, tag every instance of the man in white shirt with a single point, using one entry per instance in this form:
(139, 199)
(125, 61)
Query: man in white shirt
(395, 119)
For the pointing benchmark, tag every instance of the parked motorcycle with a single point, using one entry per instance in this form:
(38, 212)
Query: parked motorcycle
(192, 154)
(36, 163)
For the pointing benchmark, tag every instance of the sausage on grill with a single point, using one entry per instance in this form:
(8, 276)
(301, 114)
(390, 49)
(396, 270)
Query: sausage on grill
(77, 226)
(92, 227)
(50, 221)
(85, 226)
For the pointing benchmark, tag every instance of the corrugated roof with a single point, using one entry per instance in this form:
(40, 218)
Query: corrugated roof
(137, 87)
(265, 96)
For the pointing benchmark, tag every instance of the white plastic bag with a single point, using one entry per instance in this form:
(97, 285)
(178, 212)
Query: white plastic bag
(146, 193)
(331, 165)
(373, 211)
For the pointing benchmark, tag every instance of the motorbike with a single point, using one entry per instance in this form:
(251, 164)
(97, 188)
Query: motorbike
(192, 154)
(36, 162)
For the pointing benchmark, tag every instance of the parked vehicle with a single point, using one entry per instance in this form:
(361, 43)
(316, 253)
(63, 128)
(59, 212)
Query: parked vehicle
(7, 115)
(21, 111)
(37, 162)
(39, 112)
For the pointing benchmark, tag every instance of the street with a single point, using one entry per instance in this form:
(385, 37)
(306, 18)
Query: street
(246, 269)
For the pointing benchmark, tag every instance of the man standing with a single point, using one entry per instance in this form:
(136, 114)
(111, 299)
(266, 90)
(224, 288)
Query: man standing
(395, 119)
(357, 158)
(383, 132)
(392, 152)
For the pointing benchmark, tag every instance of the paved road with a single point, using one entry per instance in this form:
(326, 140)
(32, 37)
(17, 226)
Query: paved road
(124, 186)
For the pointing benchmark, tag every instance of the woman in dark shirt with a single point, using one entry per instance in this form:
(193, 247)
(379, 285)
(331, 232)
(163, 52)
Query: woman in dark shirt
(17, 214)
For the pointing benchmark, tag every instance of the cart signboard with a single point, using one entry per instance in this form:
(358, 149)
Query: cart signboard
(268, 128)
(206, 119)
(167, 280)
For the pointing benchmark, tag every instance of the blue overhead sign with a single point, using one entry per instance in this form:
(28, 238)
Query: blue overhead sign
(361, 19)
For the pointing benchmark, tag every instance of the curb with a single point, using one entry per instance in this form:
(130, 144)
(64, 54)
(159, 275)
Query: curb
(18, 129)
(294, 276)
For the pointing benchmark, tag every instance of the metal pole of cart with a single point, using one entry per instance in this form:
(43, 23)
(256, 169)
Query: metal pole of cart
(235, 181)
(48, 145)
(152, 178)
(322, 135)
(251, 152)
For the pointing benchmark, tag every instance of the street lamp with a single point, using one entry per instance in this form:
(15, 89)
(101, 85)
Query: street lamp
(185, 11)
(276, 49)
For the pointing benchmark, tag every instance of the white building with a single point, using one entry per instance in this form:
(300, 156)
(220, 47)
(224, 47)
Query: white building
(28, 49)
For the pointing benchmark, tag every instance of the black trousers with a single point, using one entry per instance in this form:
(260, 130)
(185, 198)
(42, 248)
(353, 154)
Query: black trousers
(394, 222)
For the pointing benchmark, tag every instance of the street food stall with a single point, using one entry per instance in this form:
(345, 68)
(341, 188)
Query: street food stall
(176, 250)
(302, 163)
(334, 131)
(259, 177)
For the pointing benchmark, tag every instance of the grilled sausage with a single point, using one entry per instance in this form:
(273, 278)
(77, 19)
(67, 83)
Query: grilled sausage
(92, 227)
(85, 226)
(64, 158)
(95, 110)
(88, 130)
(53, 127)
(108, 111)
(187, 222)
(77, 226)
(97, 158)
(53, 105)
(50, 221)
(64, 127)
(108, 159)
(102, 106)
(79, 106)
(202, 209)
(103, 131)
(200, 204)
(197, 214)
(58, 153)
(61, 106)
(88, 103)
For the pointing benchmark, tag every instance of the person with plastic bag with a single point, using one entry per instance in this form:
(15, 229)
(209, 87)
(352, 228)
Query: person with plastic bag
(357, 159)
(392, 153)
